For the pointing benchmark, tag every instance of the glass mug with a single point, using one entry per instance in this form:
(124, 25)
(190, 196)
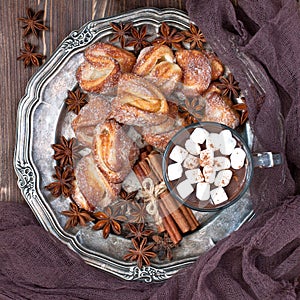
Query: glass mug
(199, 187)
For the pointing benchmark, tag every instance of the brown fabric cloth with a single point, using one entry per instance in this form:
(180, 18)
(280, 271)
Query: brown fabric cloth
(261, 38)
(259, 261)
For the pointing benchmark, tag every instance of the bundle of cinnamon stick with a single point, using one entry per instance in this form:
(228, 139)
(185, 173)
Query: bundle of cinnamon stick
(176, 218)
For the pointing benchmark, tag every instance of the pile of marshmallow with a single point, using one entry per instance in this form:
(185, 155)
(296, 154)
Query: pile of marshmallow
(206, 161)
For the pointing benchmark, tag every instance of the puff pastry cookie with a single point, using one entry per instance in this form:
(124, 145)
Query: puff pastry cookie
(114, 152)
(138, 102)
(159, 135)
(166, 76)
(156, 63)
(125, 58)
(92, 114)
(219, 109)
(99, 77)
(196, 71)
(150, 56)
(93, 185)
(217, 68)
(79, 199)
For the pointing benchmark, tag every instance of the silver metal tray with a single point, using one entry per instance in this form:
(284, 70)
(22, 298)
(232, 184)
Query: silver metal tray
(42, 118)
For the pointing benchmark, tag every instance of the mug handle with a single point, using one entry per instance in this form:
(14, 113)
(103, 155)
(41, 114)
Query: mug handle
(266, 159)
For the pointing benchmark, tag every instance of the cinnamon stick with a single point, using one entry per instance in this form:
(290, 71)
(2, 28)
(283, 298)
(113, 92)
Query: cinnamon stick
(173, 209)
(175, 216)
(190, 217)
(170, 225)
(160, 227)
(142, 170)
(155, 161)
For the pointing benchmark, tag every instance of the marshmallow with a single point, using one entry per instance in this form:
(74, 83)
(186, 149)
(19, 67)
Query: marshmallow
(228, 142)
(218, 195)
(199, 135)
(237, 158)
(194, 176)
(206, 158)
(213, 141)
(209, 174)
(184, 189)
(192, 147)
(174, 171)
(221, 163)
(203, 191)
(178, 154)
(225, 134)
(191, 162)
(223, 178)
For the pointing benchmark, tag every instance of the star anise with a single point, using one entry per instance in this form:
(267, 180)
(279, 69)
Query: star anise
(138, 212)
(66, 151)
(140, 253)
(194, 36)
(195, 106)
(76, 216)
(29, 57)
(126, 199)
(128, 196)
(229, 86)
(187, 116)
(138, 232)
(109, 220)
(169, 36)
(32, 22)
(76, 100)
(121, 31)
(163, 246)
(139, 38)
(64, 183)
(243, 108)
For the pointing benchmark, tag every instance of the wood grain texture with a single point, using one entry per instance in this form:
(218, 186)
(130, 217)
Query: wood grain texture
(61, 16)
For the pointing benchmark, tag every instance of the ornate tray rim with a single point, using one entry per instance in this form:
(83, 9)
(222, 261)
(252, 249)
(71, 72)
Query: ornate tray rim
(24, 165)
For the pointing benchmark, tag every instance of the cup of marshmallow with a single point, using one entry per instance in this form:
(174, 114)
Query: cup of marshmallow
(207, 166)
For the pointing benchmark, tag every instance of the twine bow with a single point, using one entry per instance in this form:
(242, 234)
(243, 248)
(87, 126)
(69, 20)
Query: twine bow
(150, 194)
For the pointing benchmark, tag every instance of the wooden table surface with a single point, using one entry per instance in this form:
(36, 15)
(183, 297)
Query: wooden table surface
(61, 16)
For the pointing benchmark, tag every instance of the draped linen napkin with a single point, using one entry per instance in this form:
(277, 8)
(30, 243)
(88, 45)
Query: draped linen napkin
(260, 42)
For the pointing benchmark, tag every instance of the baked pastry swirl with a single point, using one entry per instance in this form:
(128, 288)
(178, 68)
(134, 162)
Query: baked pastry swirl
(125, 58)
(138, 102)
(79, 199)
(93, 185)
(219, 109)
(114, 152)
(100, 76)
(166, 76)
(217, 68)
(156, 64)
(150, 56)
(92, 114)
(196, 71)
(159, 135)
